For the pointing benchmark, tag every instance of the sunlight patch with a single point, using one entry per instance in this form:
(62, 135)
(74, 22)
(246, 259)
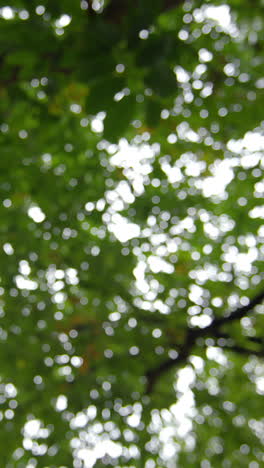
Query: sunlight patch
(216, 184)
(123, 229)
(25, 283)
(7, 13)
(158, 265)
(35, 213)
(63, 21)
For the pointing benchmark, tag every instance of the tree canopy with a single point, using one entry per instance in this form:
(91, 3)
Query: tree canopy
(131, 177)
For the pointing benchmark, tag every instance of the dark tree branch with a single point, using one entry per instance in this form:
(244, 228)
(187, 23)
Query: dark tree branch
(155, 373)
(227, 336)
(245, 351)
(256, 339)
(239, 313)
(193, 333)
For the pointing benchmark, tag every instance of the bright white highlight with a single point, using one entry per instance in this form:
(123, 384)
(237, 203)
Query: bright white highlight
(63, 21)
(222, 176)
(25, 283)
(7, 13)
(36, 214)
(183, 409)
(97, 125)
(122, 229)
(136, 162)
(102, 448)
(157, 265)
(32, 428)
(61, 403)
(252, 141)
(8, 249)
(219, 14)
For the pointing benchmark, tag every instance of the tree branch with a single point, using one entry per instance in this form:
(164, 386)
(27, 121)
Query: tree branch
(245, 351)
(239, 313)
(193, 333)
(155, 373)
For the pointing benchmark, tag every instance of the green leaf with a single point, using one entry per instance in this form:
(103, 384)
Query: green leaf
(153, 111)
(162, 80)
(118, 117)
(101, 95)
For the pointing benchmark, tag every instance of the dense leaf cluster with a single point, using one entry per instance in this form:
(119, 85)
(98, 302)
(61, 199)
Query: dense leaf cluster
(131, 284)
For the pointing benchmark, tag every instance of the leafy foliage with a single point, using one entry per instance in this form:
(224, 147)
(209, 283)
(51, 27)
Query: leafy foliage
(131, 175)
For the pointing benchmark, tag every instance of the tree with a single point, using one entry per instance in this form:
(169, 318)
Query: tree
(132, 234)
